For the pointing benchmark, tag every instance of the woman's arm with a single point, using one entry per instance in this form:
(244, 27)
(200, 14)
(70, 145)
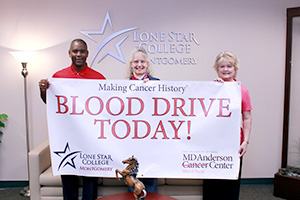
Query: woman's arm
(247, 121)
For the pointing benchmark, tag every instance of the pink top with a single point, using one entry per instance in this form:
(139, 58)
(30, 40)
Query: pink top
(246, 105)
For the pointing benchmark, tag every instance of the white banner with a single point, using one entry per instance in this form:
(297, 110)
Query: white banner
(176, 129)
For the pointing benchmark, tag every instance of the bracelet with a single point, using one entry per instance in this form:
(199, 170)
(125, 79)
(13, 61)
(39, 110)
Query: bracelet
(246, 141)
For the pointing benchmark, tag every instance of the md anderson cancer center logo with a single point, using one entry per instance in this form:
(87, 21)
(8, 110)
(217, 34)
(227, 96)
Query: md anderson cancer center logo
(86, 161)
(172, 47)
(212, 161)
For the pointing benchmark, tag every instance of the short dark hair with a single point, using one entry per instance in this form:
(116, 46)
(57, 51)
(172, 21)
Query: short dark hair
(79, 40)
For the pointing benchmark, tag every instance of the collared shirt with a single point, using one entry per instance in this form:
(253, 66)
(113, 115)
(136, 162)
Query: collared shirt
(143, 78)
(86, 73)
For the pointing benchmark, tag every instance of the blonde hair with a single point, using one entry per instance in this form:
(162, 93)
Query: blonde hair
(135, 51)
(227, 56)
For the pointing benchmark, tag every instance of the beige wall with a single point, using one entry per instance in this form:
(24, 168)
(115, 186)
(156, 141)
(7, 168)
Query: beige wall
(254, 30)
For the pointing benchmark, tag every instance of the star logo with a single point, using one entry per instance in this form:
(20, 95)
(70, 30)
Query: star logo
(67, 157)
(119, 56)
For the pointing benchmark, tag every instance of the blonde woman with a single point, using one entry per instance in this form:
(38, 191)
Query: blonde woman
(226, 66)
(139, 65)
(139, 69)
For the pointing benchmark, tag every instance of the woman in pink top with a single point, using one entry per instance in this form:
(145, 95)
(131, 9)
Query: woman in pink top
(226, 66)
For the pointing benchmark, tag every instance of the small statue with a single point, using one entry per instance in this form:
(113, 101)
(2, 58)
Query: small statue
(129, 176)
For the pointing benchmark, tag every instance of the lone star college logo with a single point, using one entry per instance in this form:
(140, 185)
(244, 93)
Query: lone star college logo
(120, 56)
(67, 157)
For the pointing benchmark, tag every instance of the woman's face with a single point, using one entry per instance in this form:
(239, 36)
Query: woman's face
(226, 71)
(139, 64)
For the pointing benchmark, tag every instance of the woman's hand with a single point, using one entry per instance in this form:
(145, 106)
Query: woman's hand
(219, 80)
(146, 80)
(243, 148)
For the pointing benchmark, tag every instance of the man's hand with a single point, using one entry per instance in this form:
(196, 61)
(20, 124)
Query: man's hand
(44, 85)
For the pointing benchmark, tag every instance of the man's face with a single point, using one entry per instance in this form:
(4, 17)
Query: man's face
(78, 53)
